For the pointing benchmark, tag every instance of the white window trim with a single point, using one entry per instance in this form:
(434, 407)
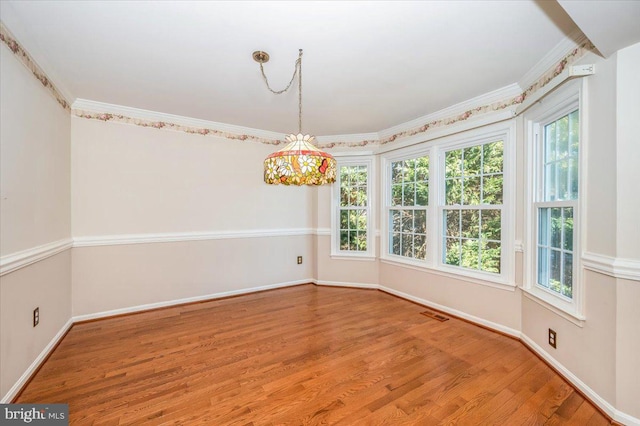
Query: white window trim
(336, 253)
(504, 131)
(403, 154)
(565, 100)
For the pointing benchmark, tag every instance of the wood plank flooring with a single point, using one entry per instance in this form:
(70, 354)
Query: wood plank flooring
(304, 355)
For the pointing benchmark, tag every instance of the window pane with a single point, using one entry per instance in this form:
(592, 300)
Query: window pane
(344, 194)
(361, 241)
(543, 266)
(344, 219)
(420, 246)
(452, 223)
(452, 252)
(453, 163)
(395, 243)
(568, 228)
(550, 182)
(453, 192)
(471, 191)
(555, 273)
(361, 221)
(490, 257)
(396, 221)
(574, 133)
(567, 281)
(396, 172)
(420, 221)
(359, 176)
(396, 195)
(409, 172)
(353, 240)
(472, 159)
(470, 223)
(407, 221)
(550, 142)
(562, 137)
(491, 225)
(492, 189)
(470, 254)
(344, 240)
(422, 169)
(422, 194)
(408, 194)
(407, 245)
(562, 175)
(573, 179)
(556, 227)
(492, 157)
(543, 226)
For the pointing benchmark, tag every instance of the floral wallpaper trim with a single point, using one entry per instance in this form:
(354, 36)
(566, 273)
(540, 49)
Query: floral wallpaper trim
(7, 38)
(547, 77)
(119, 118)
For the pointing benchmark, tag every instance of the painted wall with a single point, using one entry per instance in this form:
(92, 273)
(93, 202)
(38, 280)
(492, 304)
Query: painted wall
(603, 353)
(35, 210)
(122, 276)
(129, 180)
(628, 229)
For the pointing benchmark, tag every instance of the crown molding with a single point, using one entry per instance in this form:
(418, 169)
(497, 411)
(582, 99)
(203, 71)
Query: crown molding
(552, 58)
(23, 55)
(143, 115)
(502, 94)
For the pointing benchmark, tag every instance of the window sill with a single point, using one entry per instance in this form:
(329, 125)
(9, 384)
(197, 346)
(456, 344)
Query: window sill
(458, 275)
(358, 257)
(570, 316)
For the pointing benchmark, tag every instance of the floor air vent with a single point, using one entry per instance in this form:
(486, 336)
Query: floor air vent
(435, 316)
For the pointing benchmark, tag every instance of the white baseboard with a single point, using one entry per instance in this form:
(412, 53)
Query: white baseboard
(17, 386)
(612, 412)
(477, 320)
(212, 296)
(345, 284)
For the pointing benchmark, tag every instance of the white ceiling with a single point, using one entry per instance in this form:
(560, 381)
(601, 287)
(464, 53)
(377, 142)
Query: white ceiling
(367, 65)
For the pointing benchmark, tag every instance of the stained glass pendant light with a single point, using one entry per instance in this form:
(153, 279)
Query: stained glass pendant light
(299, 162)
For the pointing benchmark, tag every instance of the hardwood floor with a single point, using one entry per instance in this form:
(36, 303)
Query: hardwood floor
(301, 355)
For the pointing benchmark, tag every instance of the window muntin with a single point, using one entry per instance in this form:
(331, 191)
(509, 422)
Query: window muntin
(353, 211)
(407, 211)
(556, 207)
(473, 202)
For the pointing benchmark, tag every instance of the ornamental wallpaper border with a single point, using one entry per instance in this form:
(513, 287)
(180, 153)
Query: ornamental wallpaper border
(26, 59)
(547, 77)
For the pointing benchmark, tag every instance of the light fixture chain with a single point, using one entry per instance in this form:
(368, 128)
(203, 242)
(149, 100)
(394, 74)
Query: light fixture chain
(299, 65)
(295, 71)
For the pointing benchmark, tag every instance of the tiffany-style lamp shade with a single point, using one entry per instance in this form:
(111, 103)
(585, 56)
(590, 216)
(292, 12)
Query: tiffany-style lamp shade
(300, 163)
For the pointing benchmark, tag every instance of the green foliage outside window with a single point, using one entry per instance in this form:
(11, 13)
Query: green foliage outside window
(408, 215)
(560, 187)
(353, 212)
(472, 229)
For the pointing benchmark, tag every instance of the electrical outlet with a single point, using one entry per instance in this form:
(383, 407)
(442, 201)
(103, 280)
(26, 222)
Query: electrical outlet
(299, 260)
(36, 316)
(552, 339)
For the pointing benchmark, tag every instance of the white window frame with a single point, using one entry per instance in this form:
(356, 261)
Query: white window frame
(564, 101)
(336, 252)
(435, 149)
(405, 154)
